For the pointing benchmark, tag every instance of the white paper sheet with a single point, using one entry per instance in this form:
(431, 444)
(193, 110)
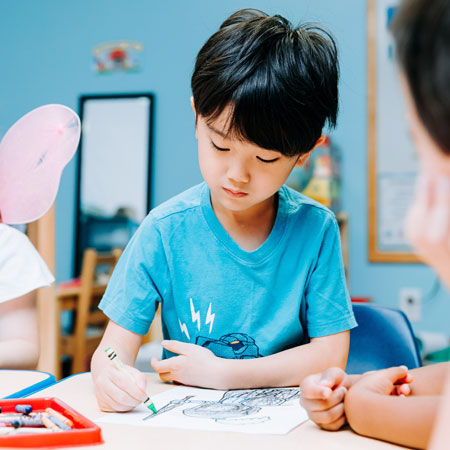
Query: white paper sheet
(262, 411)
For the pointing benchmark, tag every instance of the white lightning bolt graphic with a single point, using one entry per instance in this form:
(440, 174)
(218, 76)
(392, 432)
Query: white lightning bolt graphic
(195, 315)
(184, 329)
(210, 318)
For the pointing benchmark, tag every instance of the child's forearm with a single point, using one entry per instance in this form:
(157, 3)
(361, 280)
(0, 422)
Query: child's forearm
(440, 437)
(406, 421)
(125, 343)
(429, 380)
(286, 368)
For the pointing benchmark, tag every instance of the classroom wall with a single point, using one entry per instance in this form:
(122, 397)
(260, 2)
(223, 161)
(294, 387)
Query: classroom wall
(46, 58)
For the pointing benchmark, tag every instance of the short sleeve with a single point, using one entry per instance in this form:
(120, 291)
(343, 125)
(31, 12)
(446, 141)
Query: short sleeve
(328, 306)
(22, 269)
(139, 281)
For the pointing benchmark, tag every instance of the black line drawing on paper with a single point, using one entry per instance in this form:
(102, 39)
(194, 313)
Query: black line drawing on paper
(234, 407)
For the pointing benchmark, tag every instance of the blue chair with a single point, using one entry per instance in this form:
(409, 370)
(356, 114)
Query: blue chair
(383, 338)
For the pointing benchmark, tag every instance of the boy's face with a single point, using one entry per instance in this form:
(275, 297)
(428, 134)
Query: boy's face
(433, 162)
(428, 220)
(240, 174)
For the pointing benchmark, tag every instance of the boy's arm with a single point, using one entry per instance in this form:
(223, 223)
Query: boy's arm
(290, 367)
(429, 380)
(199, 367)
(19, 333)
(372, 411)
(113, 388)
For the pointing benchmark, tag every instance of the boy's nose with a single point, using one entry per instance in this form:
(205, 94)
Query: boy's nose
(238, 173)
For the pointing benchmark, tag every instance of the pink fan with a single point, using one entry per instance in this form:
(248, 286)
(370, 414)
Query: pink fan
(33, 154)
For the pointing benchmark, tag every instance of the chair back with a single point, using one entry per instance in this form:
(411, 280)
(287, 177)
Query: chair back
(95, 273)
(383, 338)
(83, 300)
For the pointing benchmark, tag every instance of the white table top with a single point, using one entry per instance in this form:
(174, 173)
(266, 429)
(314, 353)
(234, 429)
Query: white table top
(12, 381)
(78, 392)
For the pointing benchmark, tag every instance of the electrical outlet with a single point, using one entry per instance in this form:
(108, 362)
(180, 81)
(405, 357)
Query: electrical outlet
(410, 303)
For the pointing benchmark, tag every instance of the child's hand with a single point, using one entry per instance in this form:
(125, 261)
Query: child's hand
(195, 365)
(392, 381)
(117, 390)
(428, 224)
(322, 395)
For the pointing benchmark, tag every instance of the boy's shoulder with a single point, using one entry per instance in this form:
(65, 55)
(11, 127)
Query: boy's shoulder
(299, 204)
(182, 203)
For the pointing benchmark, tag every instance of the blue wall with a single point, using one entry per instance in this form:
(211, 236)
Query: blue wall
(46, 58)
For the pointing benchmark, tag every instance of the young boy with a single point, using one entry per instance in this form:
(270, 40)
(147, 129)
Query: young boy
(235, 260)
(421, 29)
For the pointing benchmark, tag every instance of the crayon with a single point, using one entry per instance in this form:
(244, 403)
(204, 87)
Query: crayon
(59, 423)
(22, 421)
(9, 430)
(60, 416)
(32, 430)
(24, 409)
(11, 415)
(49, 424)
(112, 355)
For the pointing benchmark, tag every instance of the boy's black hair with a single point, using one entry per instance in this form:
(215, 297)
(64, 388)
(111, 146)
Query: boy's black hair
(280, 82)
(421, 29)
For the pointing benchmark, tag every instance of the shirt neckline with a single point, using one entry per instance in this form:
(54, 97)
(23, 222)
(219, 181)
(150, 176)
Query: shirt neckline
(265, 249)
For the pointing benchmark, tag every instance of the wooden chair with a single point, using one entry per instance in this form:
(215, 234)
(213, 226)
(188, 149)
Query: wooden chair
(83, 300)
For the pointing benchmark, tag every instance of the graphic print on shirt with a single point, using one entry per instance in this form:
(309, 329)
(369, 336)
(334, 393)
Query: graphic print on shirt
(196, 319)
(230, 346)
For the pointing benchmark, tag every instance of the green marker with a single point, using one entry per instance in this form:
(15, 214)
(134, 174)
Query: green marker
(112, 355)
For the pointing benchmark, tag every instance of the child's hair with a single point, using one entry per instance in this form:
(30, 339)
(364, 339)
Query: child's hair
(422, 32)
(280, 82)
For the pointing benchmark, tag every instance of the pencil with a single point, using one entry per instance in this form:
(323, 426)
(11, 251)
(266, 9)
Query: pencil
(112, 355)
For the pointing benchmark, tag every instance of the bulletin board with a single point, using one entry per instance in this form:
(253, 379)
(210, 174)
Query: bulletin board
(392, 161)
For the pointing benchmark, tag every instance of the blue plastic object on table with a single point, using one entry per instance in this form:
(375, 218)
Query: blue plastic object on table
(47, 381)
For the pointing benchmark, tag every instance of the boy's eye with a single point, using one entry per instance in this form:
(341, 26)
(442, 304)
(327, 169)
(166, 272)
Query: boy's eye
(219, 148)
(268, 161)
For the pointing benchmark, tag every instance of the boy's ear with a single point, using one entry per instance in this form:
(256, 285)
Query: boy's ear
(320, 141)
(195, 113)
(303, 158)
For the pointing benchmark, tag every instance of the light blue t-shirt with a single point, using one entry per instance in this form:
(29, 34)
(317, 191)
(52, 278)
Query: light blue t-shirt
(213, 293)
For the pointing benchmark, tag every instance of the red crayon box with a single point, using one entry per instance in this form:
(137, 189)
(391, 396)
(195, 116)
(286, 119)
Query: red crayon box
(84, 431)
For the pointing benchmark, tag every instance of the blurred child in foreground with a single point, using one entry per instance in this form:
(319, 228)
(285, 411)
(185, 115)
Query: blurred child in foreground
(394, 404)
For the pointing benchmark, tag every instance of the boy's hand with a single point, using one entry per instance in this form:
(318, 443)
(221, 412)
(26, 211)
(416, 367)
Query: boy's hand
(428, 224)
(195, 365)
(117, 390)
(392, 381)
(322, 395)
